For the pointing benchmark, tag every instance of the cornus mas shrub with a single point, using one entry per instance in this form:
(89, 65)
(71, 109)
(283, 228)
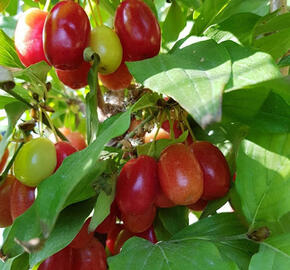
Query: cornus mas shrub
(119, 120)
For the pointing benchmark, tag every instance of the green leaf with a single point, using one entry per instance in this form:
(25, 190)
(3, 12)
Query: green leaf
(259, 108)
(138, 253)
(55, 192)
(102, 207)
(154, 149)
(285, 61)
(232, 29)
(66, 228)
(213, 205)
(17, 263)
(8, 55)
(213, 11)
(227, 232)
(8, 24)
(275, 23)
(211, 243)
(14, 110)
(4, 4)
(263, 177)
(195, 4)
(194, 76)
(174, 219)
(4, 100)
(13, 7)
(269, 45)
(274, 254)
(249, 67)
(174, 22)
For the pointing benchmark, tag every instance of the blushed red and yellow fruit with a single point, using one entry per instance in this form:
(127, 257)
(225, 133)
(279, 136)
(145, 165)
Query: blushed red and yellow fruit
(180, 175)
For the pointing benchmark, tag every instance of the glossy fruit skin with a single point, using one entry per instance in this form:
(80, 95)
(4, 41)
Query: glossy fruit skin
(28, 36)
(63, 150)
(29, 166)
(4, 159)
(65, 35)
(198, 206)
(22, 197)
(137, 185)
(118, 80)
(180, 175)
(92, 257)
(138, 30)
(106, 43)
(76, 78)
(83, 238)
(5, 195)
(139, 223)
(59, 261)
(215, 170)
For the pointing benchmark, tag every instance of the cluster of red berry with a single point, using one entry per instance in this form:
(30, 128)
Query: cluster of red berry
(61, 36)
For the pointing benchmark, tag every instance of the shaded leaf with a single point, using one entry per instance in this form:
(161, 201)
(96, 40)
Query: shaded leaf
(174, 219)
(263, 177)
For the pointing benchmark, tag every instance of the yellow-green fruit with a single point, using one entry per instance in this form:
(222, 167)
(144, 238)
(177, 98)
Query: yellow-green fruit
(105, 42)
(35, 161)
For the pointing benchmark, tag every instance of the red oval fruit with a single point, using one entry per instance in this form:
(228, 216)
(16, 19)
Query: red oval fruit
(4, 159)
(63, 150)
(198, 206)
(149, 235)
(66, 35)
(139, 223)
(215, 170)
(22, 197)
(83, 238)
(5, 195)
(138, 30)
(28, 36)
(120, 79)
(137, 185)
(76, 78)
(58, 261)
(180, 175)
(92, 257)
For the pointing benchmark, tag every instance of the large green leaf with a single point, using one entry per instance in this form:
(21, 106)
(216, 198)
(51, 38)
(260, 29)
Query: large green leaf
(274, 254)
(213, 11)
(210, 243)
(249, 67)
(66, 228)
(194, 76)
(8, 55)
(139, 254)
(232, 29)
(263, 177)
(56, 190)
